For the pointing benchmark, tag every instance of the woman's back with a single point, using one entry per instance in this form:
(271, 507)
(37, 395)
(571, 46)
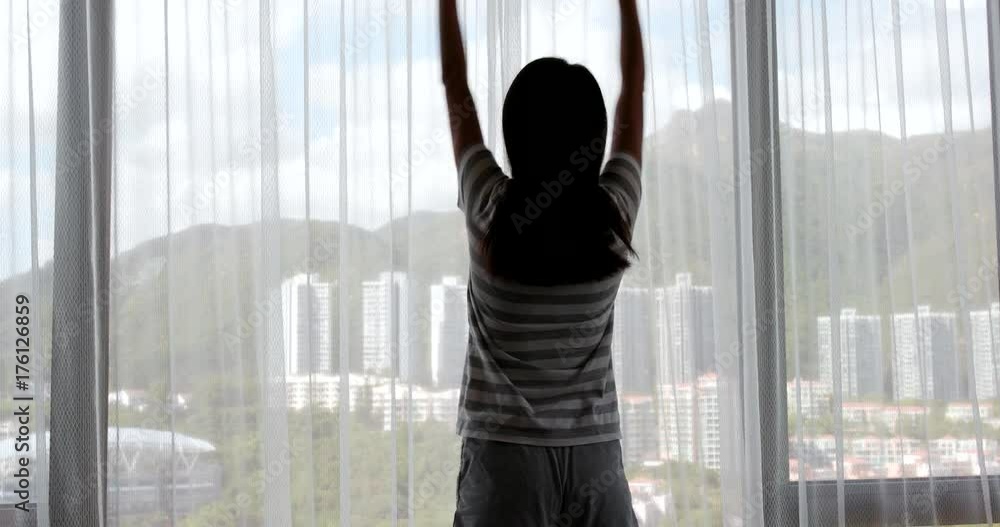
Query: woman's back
(539, 365)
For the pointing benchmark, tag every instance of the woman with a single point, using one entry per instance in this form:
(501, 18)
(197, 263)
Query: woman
(548, 245)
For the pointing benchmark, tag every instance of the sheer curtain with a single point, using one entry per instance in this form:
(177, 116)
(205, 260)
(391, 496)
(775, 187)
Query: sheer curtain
(235, 222)
(890, 257)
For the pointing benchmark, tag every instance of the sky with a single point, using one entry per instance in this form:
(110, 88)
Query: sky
(210, 72)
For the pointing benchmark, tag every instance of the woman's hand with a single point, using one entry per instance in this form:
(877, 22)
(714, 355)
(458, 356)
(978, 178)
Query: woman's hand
(465, 129)
(627, 134)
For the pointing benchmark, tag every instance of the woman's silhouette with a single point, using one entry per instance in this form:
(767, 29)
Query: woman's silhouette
(548, 246)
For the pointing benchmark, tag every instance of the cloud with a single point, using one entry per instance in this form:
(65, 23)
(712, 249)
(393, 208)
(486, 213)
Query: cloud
(216, 140)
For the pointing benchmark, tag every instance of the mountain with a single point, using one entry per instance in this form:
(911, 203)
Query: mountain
(213, 269)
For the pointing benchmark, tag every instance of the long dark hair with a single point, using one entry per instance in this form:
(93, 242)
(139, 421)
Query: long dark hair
(555, 224)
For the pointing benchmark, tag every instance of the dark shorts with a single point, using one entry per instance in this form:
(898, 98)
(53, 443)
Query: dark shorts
(510, 485)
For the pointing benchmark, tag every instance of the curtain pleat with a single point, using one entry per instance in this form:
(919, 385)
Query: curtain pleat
(829, 177)
(168, 454)
(37, 323)
(344, 386)
(80, 267)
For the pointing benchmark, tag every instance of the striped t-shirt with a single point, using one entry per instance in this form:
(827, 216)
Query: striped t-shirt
(538, 369)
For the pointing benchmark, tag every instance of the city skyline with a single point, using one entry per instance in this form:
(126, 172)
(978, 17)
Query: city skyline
(663, 351)
(663, 333)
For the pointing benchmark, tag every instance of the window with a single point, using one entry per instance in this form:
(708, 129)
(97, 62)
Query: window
(888, 237)
(811, 335)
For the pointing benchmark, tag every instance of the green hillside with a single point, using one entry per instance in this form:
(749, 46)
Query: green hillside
(213, 269)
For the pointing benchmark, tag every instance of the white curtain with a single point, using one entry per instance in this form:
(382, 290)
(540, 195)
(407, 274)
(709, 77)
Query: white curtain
(890, 257)
(258, 245)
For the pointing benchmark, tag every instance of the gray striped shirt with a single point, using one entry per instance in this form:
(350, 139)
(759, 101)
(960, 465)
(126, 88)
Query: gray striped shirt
(538, 369)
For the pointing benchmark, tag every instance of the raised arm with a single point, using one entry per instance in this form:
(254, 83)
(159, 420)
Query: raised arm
(465, 130)
(629, 112)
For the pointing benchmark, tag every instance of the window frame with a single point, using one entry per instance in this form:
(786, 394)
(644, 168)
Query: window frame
(916, 501)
